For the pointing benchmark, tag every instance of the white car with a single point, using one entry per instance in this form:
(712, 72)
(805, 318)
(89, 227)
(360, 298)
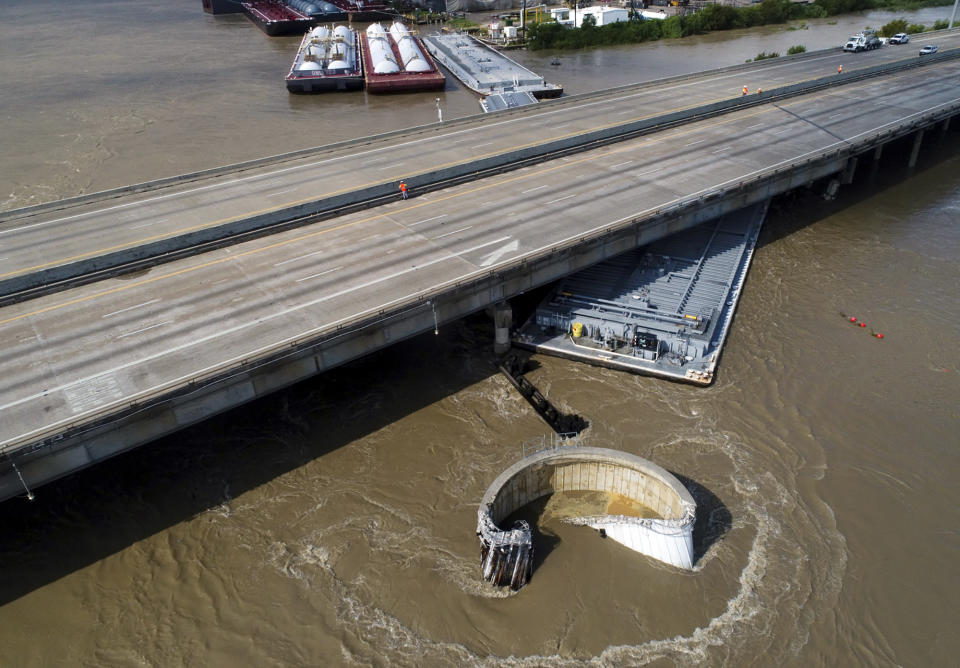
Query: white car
(900, 38)
(929, 48)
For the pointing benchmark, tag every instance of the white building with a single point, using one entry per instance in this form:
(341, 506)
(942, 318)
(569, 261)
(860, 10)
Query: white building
(603, 15)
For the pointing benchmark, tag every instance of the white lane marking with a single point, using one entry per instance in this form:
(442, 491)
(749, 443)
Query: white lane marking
(721, 150)
(3, 258)
(281, 192)
(393, 166)
(695, 142)
(554, 201)
(755, 125)
(842, 113)
(427, 220)
(130, 308)
(621, 164)
(784, 131)
(557, 127)
(449, 233)
(140, 331)
(499, 253)
(152, 222)
(322, 273)
(651, 171)
(533, 189)
(482, 145)
(302, 257)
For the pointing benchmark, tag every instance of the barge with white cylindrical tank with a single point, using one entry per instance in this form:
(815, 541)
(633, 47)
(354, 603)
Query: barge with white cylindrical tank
(328, 59)
(395, 60)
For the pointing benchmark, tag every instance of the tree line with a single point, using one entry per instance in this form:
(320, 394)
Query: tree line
(552, 35)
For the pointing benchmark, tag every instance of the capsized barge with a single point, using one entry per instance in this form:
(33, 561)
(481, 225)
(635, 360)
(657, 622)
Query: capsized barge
(328, 59)
(395, 61)
(663, 309)
(275, 17)
(485, 70)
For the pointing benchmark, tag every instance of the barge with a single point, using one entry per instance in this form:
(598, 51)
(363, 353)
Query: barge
(485, 70)
(328, 59)
(395, 61)
(362, 10)
(663, 309)
(274, 17)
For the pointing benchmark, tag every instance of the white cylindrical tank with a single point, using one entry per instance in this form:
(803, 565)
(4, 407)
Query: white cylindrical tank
(381, 55)
(413, 60)
(341, 50)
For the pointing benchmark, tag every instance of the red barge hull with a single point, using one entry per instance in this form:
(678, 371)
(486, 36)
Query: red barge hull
(401, 82)
(276, 18)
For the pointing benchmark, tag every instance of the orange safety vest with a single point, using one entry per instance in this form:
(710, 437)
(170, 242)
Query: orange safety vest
(403, 187)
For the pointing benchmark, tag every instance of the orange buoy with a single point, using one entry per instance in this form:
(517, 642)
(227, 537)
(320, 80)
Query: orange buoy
(853, 318)
(863, 324)
(878, 335)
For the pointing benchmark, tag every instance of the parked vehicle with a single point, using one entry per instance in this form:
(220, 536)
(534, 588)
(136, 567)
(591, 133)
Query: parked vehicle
(864, 41)
(929, 48)
(900, 38)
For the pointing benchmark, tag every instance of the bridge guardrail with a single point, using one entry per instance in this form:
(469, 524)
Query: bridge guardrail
(25, 286)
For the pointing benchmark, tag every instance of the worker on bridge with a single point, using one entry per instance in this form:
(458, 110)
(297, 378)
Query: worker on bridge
(403, 189)
(744, 91)
(839, 69)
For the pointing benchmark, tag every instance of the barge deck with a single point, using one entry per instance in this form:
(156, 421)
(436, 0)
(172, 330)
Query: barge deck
(664, 309)
(485, 70)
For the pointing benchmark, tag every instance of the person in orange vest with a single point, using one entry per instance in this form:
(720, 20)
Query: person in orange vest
(403, 189)
(839, 69)
(744, 90)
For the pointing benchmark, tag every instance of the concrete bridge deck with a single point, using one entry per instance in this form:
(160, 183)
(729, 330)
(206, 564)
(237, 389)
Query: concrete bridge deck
(60, 240)
(97, 369)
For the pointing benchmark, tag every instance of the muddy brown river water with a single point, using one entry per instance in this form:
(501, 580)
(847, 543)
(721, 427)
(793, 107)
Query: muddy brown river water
(333, 523)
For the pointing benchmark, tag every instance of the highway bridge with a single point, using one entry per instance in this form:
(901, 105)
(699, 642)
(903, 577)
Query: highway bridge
(129, 314)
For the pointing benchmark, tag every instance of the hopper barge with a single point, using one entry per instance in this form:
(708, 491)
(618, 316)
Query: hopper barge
(275, 17)
(664, 309)
(328, 59)
(485, 70)
(395, 61)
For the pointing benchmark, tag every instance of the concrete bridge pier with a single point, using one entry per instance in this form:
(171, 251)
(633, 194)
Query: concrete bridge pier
(944, 128)
(875, 164)
(502, 321)
(915, 151)
(849, 169)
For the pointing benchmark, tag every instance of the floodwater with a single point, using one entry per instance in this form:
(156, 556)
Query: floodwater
(333, 523)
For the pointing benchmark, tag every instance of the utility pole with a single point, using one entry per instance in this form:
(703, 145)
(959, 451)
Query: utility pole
(953, 15)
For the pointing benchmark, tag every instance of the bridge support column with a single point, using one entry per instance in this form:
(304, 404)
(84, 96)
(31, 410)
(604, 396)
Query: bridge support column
(502, 321)
(849, 169)
(915, 151)
(875, 163)
(944, 128)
